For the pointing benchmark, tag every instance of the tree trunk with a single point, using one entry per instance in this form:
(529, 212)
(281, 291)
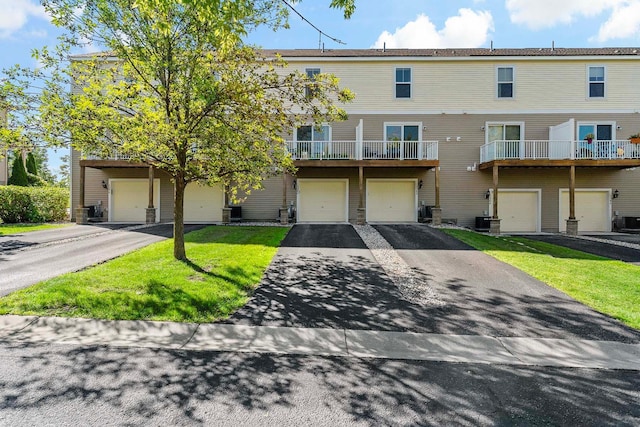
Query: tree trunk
(178, 219)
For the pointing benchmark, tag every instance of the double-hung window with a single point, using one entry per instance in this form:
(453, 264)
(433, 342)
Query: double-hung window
(505, 82)
(597, 80)
(403, 82)
(311, 75)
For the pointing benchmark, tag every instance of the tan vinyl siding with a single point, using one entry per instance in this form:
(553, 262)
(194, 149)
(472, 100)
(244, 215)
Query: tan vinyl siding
(456, 86)
(3, 169)
(264, 205)
(462, 192)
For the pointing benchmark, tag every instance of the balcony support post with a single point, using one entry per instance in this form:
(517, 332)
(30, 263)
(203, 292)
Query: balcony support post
(82, 213)
(150, 215)
(436, 211)
(361, 218)
(494, 223)
(284, 211)
(572, 222)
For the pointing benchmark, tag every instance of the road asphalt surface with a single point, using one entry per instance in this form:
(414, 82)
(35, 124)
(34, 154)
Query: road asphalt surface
(29, 258)
(70, 385)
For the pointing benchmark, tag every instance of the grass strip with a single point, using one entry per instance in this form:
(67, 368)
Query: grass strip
(609, 286)
(6, 229)
(225, 265)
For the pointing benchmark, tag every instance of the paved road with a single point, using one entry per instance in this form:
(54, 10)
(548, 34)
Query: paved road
(608, 250)
(322, 278)
(69, 385)
(26, 259)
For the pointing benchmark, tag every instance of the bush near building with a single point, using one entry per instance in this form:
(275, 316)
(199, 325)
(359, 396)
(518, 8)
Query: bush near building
(33, 204)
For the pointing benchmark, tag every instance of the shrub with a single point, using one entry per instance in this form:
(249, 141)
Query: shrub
(18, 173)
(32, 204)
(31, 164)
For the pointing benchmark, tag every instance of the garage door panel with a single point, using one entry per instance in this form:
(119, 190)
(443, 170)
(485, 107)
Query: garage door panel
(592, 210)
(518, 211)
(391, 201)
(130, 198)
(322, 201)
(203, 203)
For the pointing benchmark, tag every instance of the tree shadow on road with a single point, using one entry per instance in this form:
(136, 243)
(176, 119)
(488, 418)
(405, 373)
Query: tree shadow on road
(141, 386)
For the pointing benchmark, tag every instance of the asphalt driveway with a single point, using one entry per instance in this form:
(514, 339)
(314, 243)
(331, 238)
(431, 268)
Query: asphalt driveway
(608, 250)
(29, 258)
(324, 277)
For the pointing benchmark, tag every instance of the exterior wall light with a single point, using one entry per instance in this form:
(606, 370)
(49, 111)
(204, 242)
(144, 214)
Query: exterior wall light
(104, 184)
(616, 194)
(487, 194)
(420, 184)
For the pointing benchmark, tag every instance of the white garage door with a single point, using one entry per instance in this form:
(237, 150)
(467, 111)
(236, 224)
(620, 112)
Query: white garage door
(322, 200)
(129, 198)
(203, 204)
(592, 210)
(519, 211)
(391, 201)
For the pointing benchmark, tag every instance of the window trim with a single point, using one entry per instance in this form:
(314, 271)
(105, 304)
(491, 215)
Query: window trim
(308, 91)
(508, 123)
(403, 124)
(498, 82)
(604, 82)
(597, 123)
(295, 131)
(396, 83)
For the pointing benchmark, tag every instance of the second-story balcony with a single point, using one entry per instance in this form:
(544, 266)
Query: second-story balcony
(363, 150)
(534, 150)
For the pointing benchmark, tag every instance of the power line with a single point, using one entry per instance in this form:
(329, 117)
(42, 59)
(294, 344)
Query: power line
(320, 32)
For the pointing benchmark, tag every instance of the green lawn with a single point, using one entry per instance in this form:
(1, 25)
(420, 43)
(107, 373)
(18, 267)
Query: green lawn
(23, 228)
(609, 286)
(225, 266)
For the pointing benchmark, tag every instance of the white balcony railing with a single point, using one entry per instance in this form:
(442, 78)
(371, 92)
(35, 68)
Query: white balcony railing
(363, 150)
(114, 155)
(559, 150)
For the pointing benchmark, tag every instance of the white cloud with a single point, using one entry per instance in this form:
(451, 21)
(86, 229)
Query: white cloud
(467, 29)
(15, 14)
(537, 14)
(624, 22)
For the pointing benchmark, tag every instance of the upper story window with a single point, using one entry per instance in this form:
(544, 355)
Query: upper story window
(311, 75)
(505, 82)
(403, 82)
(313, 133)
(597, 81)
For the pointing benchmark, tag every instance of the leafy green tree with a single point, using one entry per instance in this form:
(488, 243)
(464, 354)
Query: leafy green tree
(177, 90)
(64, 177)
(18, 173)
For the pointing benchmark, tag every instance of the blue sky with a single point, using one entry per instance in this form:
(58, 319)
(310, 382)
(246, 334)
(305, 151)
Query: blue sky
(398, 23)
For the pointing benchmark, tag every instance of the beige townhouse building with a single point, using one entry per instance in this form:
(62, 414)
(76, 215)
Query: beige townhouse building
(517, 140)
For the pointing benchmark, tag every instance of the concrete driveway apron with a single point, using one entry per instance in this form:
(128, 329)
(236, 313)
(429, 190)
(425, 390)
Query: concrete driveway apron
(28, 258)
(484, 296)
